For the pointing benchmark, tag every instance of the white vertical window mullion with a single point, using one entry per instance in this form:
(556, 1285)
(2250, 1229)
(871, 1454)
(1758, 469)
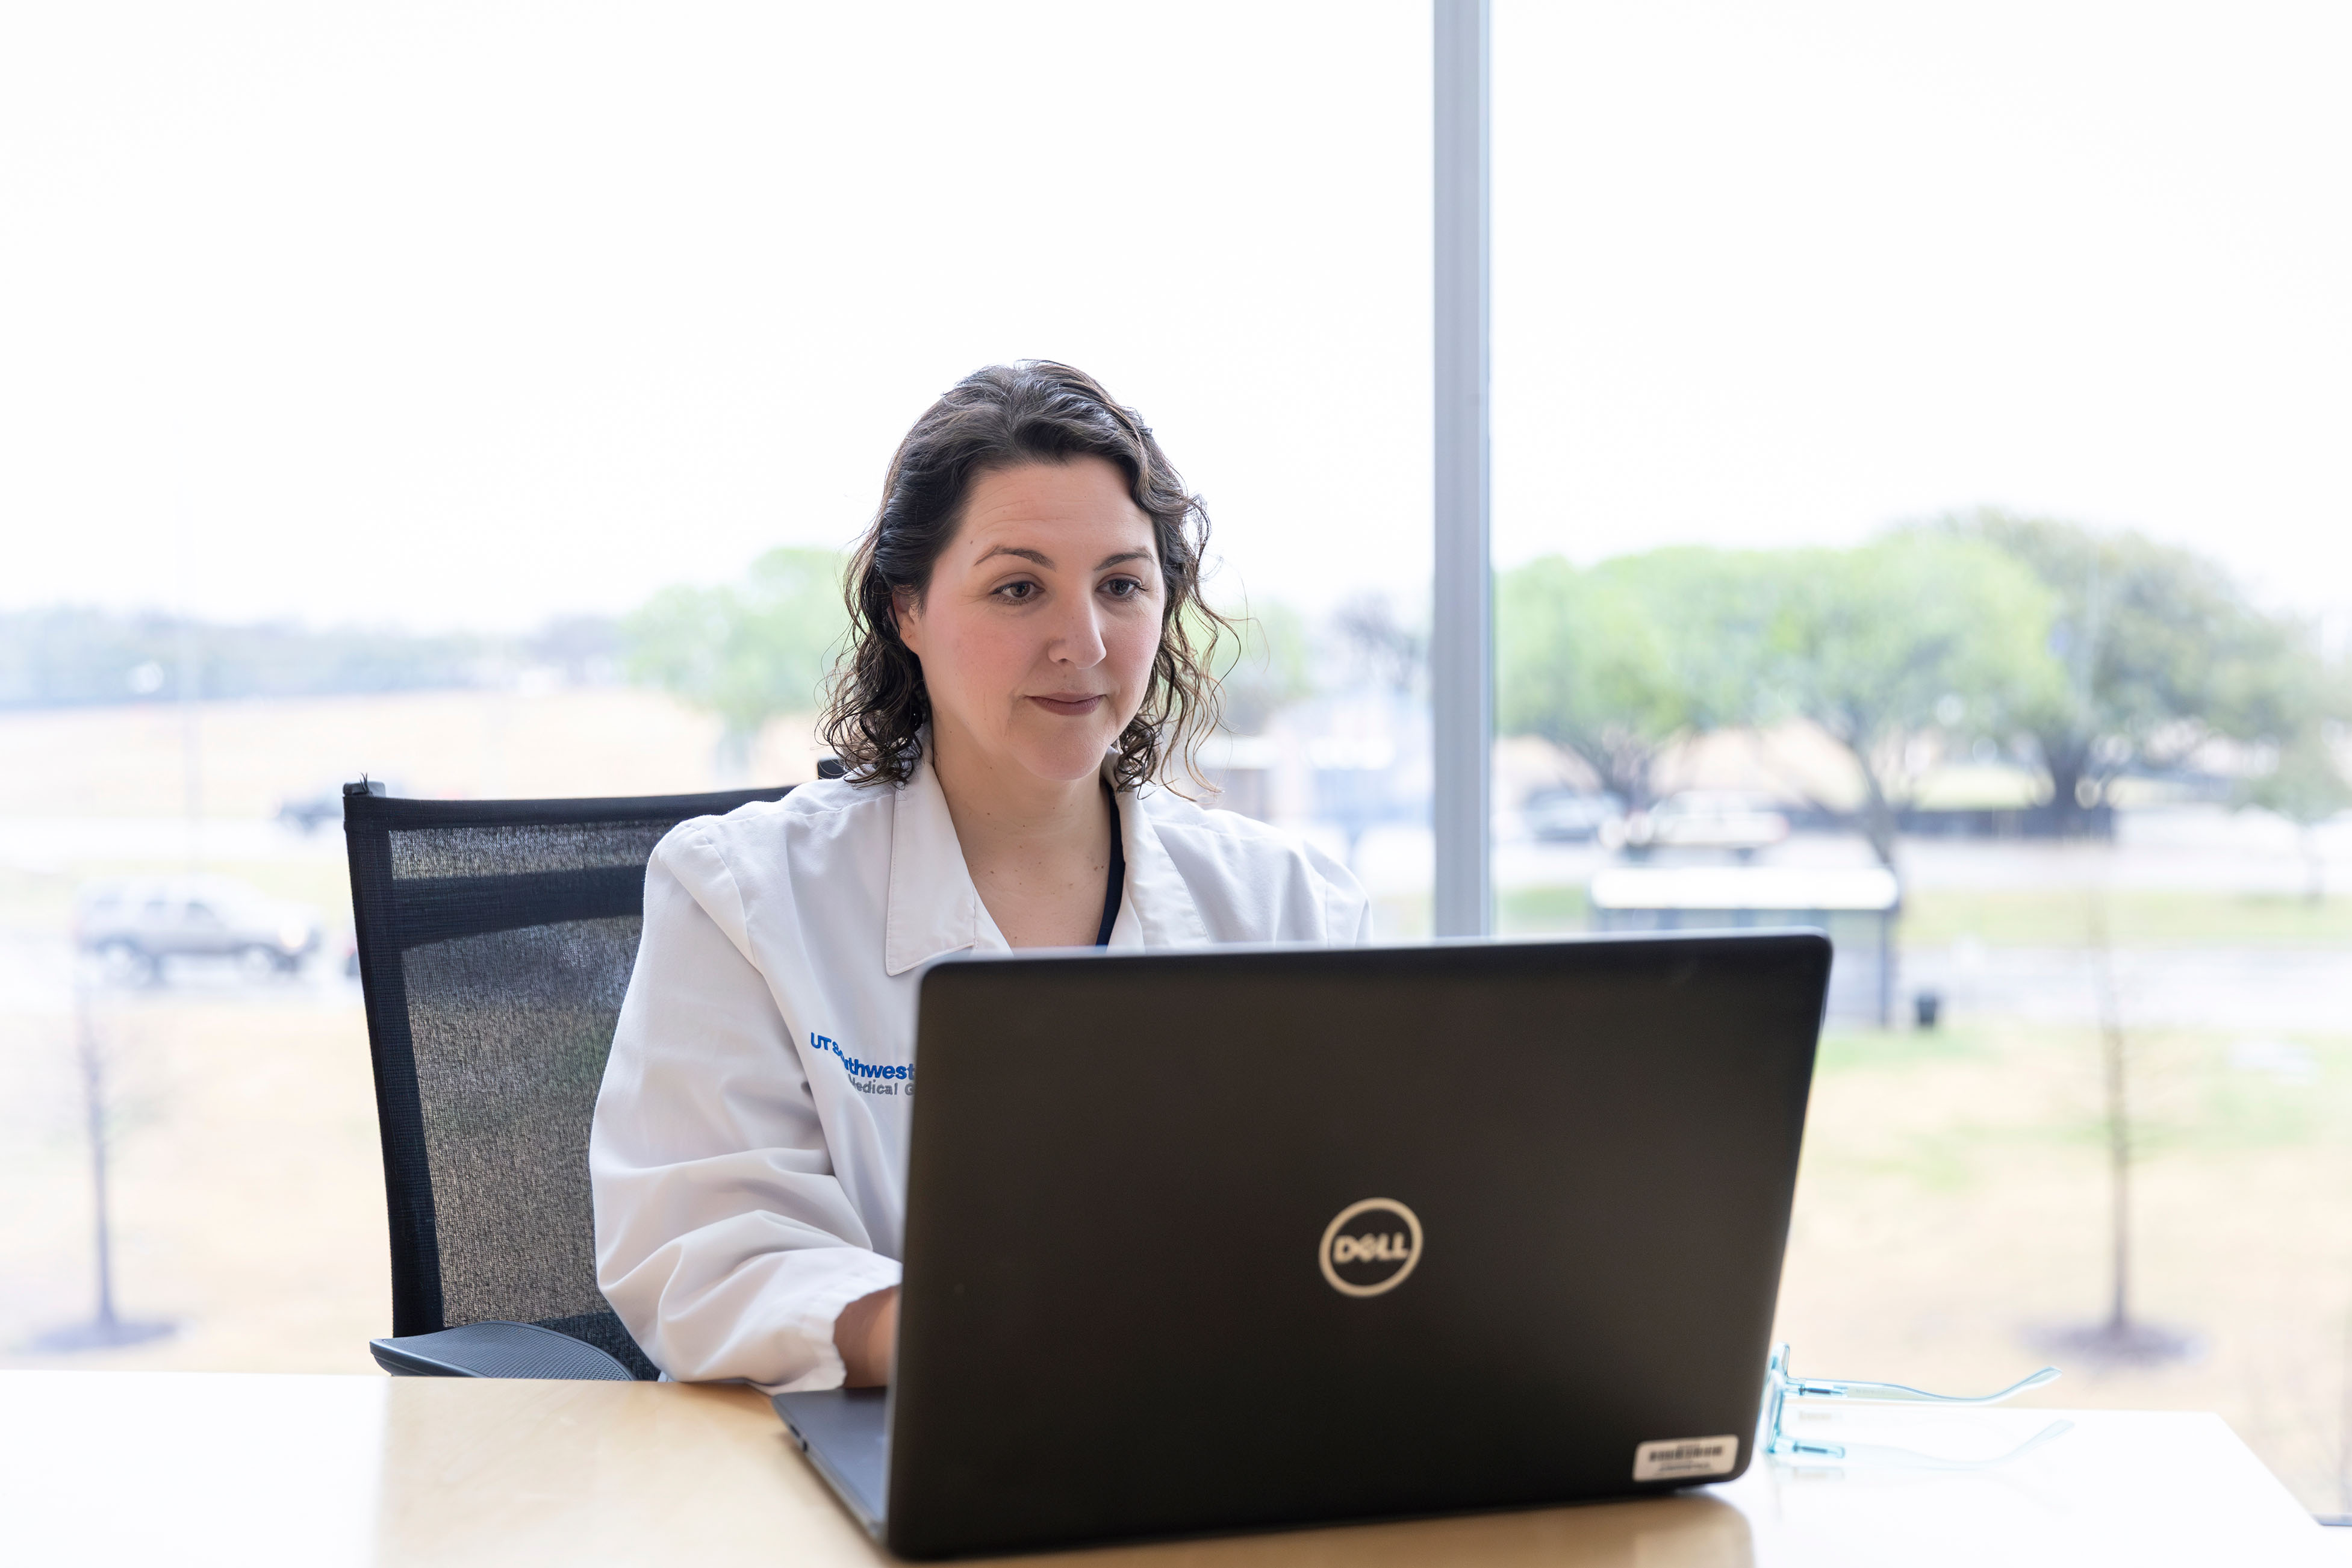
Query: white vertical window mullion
(1461, 654)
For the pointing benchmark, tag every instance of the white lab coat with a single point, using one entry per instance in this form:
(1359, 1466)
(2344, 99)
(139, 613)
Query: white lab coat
(749, 1150)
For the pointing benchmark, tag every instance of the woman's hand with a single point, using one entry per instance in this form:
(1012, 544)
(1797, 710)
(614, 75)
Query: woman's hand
(866, 1333)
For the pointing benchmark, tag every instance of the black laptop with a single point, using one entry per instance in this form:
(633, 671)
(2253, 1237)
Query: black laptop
(1244, 1238)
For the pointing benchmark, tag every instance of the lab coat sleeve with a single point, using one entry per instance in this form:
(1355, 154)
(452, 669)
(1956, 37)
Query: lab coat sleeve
(724, 1239)
(1347, 909)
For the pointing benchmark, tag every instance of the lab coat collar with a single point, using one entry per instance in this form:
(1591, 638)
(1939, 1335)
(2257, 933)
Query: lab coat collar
(935, 908)
(1157, 909)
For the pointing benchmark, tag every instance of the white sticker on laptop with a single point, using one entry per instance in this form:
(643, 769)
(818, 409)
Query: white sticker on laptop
(1680, 1459)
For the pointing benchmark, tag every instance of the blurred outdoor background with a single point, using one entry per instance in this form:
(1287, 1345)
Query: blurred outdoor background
(1920, 510)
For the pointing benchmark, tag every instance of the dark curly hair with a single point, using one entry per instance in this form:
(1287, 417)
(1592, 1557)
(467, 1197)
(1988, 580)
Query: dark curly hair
(1002, 417)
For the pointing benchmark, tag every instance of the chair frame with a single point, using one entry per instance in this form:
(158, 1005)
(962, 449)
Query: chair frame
(390, 918)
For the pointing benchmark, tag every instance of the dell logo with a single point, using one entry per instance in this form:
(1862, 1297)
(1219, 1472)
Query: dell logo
(1370, 1247)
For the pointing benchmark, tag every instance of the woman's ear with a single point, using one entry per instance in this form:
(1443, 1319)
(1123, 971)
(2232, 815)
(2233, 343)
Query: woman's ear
(907, 617)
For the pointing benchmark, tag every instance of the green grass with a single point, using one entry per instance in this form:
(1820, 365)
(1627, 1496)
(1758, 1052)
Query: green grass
(2062, 917)
(1531, 911)
(2038, 918)
(1894, 1050)
(2186, 1090)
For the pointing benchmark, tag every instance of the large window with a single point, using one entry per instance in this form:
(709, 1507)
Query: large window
(477, 397)
(1918, 507)
(1916, 449)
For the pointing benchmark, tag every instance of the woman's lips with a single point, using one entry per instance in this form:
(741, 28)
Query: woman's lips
(1069, 707)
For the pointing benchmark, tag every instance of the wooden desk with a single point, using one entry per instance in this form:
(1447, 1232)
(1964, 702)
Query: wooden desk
(183, 1469)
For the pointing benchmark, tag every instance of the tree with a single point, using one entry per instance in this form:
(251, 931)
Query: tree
(2307, 787)
(2161, 652)
(1915, 634)
(1582, 663)
(2121, 1338)
(104, 1329)
(747, 651)
(1620, 662)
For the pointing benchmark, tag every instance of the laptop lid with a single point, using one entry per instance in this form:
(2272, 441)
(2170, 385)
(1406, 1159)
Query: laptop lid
(1250, 1238)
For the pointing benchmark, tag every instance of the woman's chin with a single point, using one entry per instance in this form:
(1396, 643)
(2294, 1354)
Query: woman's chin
(1063, 758)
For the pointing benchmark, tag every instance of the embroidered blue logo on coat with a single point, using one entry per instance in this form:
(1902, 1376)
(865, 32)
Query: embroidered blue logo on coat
(867, 1077)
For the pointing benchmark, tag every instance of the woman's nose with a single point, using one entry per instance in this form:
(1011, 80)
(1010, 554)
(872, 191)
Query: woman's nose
(1077, 639)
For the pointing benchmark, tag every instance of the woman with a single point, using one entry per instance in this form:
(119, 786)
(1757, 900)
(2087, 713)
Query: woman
(1022, 665)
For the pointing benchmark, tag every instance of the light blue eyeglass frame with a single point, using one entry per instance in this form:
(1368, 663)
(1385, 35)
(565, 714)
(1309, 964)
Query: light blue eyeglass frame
(1781, 1386)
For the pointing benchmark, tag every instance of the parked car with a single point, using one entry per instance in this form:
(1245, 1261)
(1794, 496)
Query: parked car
(133, 926)
(1702, 819)
(1569, 816)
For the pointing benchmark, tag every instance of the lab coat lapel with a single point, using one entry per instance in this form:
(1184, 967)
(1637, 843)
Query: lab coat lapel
(1159, 910)
(933, 907)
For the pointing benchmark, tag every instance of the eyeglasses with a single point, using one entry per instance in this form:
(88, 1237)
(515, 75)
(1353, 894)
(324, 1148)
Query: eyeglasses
(1781, 1386)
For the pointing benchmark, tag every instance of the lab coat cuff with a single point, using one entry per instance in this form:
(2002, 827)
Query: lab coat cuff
(820, 1308)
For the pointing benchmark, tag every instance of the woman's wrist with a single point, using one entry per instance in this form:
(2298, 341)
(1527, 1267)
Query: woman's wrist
(864, 1334)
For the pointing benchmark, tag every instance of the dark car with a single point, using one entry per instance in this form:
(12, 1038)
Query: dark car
(132, 927)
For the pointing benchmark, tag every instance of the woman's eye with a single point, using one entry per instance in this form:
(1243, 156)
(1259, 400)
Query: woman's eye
(1018, 593)
(1123, 587)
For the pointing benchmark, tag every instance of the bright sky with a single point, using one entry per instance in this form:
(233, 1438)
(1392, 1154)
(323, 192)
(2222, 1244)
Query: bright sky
(469, 314)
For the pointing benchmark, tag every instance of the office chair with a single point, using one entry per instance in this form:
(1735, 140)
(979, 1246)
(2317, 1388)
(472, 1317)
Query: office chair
(496, 938)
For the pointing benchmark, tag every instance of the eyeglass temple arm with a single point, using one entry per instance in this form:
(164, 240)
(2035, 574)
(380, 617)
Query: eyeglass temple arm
(1910, 1458)
(1897, 1392)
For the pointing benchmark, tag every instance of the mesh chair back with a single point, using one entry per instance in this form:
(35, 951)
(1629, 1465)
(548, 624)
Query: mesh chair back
(495, 941)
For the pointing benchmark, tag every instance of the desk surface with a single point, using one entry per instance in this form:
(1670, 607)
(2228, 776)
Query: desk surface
(104, 1467)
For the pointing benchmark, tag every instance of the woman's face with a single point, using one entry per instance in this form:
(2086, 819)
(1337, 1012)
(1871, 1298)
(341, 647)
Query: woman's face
(1038, 632)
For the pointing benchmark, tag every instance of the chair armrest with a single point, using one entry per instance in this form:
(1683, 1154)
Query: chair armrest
(497, 1350)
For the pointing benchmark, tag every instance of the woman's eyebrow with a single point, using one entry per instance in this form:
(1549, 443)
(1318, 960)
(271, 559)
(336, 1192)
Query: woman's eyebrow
(1038, 556)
